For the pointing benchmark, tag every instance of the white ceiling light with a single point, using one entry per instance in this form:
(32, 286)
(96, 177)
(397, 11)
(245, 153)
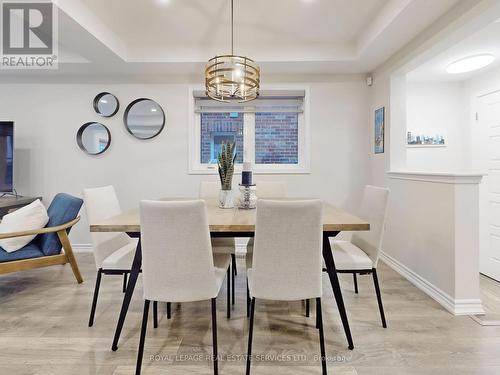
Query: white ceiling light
(163, 2)
(470, 63)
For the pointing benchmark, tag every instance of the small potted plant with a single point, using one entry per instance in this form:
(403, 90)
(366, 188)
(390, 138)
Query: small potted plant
(225, 162)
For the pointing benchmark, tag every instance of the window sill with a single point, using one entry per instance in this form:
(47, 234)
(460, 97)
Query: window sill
(255, 171)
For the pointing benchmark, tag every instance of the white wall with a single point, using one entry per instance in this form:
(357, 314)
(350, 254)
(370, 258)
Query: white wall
(48, 160)
(439, 106)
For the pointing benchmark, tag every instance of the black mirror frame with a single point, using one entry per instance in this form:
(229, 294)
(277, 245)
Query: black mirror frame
(80, 133)
(96, 101)
(125, 115)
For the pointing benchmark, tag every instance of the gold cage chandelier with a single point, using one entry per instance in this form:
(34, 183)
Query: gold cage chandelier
(232, 78)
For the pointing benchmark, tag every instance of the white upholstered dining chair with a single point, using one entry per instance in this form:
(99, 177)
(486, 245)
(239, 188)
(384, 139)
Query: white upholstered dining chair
(287, 259)
(265, 190)
(360, 255)
(223, 245)
(113, 252)
(177, 260)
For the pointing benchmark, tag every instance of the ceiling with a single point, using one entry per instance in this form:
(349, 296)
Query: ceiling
(484, 41)
(158, 39)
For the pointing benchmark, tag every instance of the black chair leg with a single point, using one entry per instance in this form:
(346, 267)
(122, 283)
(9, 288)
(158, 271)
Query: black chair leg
(140, 351)
(233, 282)
(355, 283)
(155, 314)
(228, 276)
(248, 301)
(307, 308)
(124, 289)
(250, 336)
(233, 261)
(169, 310)
(214, 336)
(96, 294)
(319, 319)
(379, 297)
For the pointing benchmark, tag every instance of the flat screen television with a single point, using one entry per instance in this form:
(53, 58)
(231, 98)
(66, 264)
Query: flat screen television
(6, 156)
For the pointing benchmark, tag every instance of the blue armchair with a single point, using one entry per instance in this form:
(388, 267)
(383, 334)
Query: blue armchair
(45, 249)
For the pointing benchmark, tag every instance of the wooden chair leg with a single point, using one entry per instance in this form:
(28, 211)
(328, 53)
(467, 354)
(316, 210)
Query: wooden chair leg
(355, 278)
(307, 308)
(63, 237)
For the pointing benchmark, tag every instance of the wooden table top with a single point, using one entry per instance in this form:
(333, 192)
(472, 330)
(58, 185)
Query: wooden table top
(233, 220)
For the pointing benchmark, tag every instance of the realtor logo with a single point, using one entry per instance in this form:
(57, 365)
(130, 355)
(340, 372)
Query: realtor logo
(28, 30)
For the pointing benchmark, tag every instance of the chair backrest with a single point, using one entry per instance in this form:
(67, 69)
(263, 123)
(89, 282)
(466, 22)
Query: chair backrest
(374, 210)
(177, 262)
(102, 203)
(287, 252)
(209, 189)
(63, 208)
(271, 189)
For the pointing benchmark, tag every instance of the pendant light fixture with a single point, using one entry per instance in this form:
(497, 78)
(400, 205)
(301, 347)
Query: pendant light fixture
(232, 78)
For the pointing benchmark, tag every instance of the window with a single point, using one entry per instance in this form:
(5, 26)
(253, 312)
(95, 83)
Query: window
(276, 138)
(217, 128)
(270, 132)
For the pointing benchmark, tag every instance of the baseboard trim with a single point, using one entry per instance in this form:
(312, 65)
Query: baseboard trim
(454, 306)
(82, 247)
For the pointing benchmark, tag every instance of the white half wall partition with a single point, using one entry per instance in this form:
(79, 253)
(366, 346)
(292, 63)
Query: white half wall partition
(432, 236)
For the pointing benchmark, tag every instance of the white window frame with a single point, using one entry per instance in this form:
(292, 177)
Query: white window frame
(302, 167)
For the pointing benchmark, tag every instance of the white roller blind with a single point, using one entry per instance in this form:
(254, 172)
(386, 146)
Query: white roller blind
(268, 101)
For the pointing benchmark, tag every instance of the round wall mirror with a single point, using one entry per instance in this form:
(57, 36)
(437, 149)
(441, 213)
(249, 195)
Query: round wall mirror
(106, 104)
(144, 118)
(93, 138)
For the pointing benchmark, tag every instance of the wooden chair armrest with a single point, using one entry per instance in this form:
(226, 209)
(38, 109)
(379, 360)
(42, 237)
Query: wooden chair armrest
(31, 232)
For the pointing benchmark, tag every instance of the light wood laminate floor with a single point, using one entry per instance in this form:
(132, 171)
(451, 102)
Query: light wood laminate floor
(490, 296)
(44, 315)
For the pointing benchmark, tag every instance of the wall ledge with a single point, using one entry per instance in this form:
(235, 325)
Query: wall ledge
(82, 248)
(437, 177)
(454, 306)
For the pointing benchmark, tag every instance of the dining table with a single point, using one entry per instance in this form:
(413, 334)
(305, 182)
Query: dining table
(234, 222)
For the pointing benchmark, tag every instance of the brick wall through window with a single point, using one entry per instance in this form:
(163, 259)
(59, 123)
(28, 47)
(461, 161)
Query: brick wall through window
(217, 128)
(276, 138)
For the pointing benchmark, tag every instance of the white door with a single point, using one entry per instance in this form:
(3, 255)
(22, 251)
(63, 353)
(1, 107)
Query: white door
(489, 120)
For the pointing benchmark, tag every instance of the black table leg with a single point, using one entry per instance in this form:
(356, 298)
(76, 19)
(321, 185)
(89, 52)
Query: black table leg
(334, 280)
(134, 273)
